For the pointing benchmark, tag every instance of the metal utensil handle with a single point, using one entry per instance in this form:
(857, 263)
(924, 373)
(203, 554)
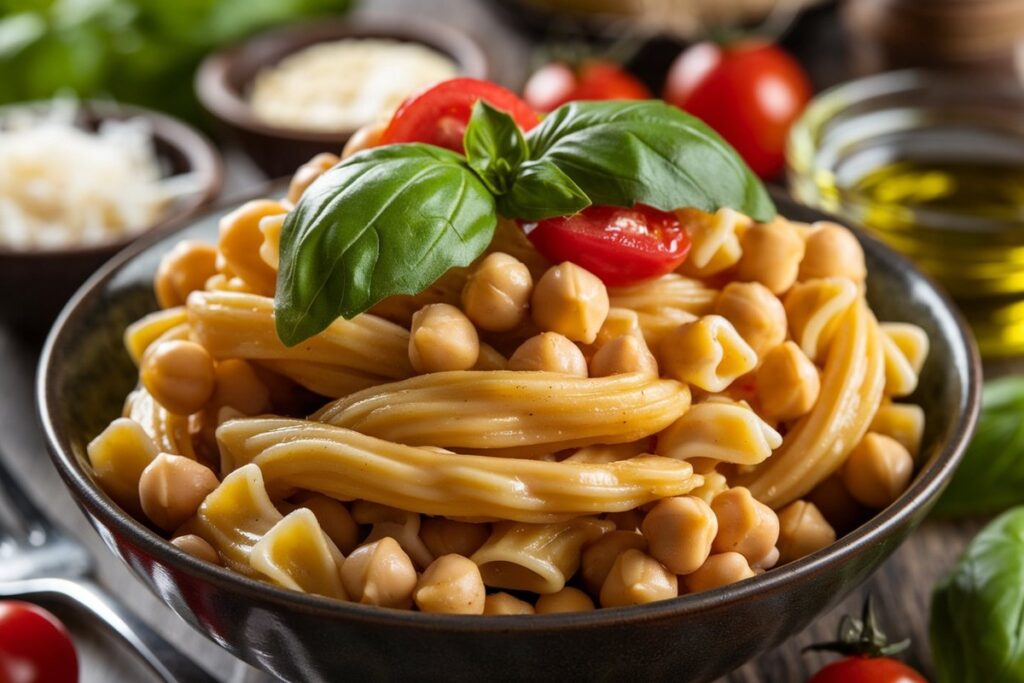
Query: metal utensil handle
(162, 658)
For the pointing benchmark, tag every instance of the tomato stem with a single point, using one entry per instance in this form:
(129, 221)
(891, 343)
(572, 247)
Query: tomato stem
(861, 637)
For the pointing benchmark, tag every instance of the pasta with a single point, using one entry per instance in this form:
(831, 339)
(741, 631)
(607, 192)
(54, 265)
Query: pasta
(296, 553)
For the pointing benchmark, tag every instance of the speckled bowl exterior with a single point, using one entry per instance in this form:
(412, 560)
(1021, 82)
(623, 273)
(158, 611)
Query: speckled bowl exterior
(85, 373)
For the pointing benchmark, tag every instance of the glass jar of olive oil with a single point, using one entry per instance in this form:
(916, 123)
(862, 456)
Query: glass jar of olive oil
(933, 164)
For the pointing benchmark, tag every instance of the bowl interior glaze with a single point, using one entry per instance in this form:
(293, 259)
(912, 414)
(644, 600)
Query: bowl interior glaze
(85, 374)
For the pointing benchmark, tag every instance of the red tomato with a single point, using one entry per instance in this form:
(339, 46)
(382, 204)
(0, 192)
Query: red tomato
(620, 246)
(867, 670)
(553, 85)
(750, 92)
(439, 114)
(34, 646)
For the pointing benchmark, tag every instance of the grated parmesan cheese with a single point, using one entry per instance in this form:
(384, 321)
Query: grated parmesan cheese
(345, 84)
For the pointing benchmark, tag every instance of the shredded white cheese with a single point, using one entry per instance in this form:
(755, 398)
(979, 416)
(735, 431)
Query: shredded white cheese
(345, 84)
(61, 185)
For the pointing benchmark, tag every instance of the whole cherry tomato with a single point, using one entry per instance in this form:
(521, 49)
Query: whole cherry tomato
(620, 246)
(34, 646)
(867, 670)
(439, 114)
(750, 92)
(556, 83)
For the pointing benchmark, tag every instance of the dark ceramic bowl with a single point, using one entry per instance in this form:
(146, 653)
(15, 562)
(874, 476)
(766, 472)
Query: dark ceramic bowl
(84, 375)
(224, 77)
(44, 279)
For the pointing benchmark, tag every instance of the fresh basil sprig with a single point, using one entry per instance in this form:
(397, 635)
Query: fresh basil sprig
(393, 219)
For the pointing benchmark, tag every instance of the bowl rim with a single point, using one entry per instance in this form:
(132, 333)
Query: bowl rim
(229, 104)
(927, 484)
(197, 149)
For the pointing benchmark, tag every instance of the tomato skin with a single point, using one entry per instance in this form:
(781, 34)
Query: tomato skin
(34, 646)
(621, 246)
(556, 83)
(439, 114)
(867, 670)
(749, 92)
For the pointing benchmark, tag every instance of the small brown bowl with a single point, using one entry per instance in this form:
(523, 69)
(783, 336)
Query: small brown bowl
(223, 79)
(36, 283)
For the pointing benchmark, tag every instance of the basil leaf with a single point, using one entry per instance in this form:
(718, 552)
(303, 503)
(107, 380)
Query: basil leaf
(990, 477)
(541, 190)
(495, 146)
(621, 153)
(977, 618)
(390, 220)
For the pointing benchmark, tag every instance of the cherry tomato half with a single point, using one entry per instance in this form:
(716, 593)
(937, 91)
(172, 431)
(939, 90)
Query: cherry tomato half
(750, 92)
(621, 246)
(867, 670)
(34, 646)
(439, 114)
(556, 83)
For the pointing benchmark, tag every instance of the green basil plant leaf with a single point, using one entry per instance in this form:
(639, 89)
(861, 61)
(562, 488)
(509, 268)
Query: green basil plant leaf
(649, 152)
(495, 146)
(390, 220)
(977, 618)
(542, 190)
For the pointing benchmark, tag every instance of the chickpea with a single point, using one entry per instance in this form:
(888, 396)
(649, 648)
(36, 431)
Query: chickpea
(599, 556)
(270, 248)
(637, 578)
(503, 604)
(549, 352)
(307, 174)
(442, 338)
(903, 422)
(179, 374)
(802, 530)
(719, 570)
(755, 312)
(183, 270)
(771, 255)
(197, 547)
(832, 251)
(571, 301)
(237, 386)
(447, 536)
(381, 574)
(625, 354)
(746, 526)
(787, 383)
(334, 519)
(877, 470)
(240, 242)
(365, 137)
(680, 532)
(172, 487)
(451, 585)
(497, 293)
(566, 600)
(834, 501)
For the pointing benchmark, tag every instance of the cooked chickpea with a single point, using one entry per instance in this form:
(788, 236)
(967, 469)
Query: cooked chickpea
(571, 301)
(719, 570)
(451, 585)
(172, 487)
(771, 255)
(179, 374)
(270, 248)
(755, 312)
(637, 578)
(183, 270)
(307, 174)
(497, 293)
(197, 547)
(599, 556)
(877, 470)
(832, 251)
(442, 338)
(787, 383)
(240, 242)
(237, 386)
(834, 501)
(447, 536)
(802, 530)
(746, 526)
(381, 574)
(568, 599)
(502, 604)
(549, 352)
(365, 137)
(625, 354)
(334, 518)
(680, 532)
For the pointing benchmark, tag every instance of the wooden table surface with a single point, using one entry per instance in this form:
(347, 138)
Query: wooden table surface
(902, 587)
